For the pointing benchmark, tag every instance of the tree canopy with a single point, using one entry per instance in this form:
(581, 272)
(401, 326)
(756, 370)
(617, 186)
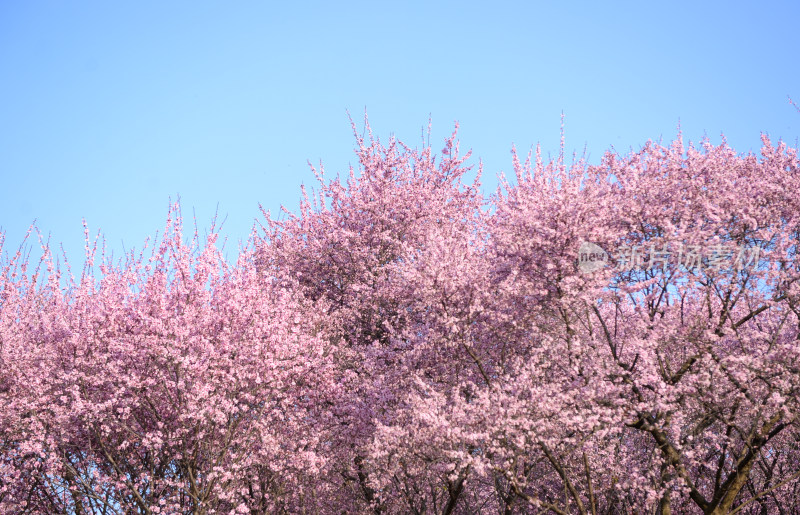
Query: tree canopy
(596, 339)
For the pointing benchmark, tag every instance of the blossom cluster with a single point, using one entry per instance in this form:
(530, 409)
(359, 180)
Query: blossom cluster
(405, 344)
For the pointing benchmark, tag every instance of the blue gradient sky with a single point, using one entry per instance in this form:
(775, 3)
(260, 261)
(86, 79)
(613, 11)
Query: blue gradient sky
(108, 109)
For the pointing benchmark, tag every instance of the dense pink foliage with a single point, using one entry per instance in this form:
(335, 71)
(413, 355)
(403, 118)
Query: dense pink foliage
(405, 345)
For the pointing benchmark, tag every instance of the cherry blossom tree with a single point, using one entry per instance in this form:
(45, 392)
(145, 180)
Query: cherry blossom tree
(174, 384)
(383, 250)
(658, 387)
(597, 339)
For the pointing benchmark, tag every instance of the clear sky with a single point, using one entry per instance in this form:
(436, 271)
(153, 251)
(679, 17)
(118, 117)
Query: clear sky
(108, 109)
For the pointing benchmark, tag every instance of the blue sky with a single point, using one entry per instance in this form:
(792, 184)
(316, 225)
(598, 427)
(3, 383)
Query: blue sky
(108, 109)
